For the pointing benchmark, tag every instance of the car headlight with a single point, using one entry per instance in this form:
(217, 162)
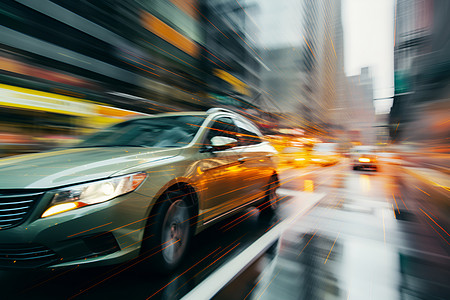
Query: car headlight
(76, 196)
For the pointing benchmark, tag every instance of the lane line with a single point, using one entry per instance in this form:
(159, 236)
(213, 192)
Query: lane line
(211, 285)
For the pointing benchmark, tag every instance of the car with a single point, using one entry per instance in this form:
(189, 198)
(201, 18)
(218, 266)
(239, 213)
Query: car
(141, 188)
(325, 154)
(294, 156)
(364, 157)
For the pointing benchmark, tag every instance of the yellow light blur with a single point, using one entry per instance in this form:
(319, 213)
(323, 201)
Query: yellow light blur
(364, 160)
(309, 186)
(59, 208)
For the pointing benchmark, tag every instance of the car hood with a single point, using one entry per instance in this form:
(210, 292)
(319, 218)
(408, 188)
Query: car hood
(68, 166)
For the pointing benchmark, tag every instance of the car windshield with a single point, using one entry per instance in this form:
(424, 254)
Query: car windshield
(170, 131)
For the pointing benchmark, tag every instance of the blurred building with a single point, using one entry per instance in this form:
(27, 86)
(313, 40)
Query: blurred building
(68, 67)
(323, 60)
(382, 129)
(230, 57)
(361, 110)
(283, 82)
(422, 71)
(305, 75)
(64, 63)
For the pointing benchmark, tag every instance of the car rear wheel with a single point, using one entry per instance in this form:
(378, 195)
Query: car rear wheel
(270, 202)
(169, 233)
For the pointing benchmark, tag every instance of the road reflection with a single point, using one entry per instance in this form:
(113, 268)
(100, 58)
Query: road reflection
(361, 241)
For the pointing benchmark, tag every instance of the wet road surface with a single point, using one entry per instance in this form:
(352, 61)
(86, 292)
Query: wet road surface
(376, 235)
(363, 237)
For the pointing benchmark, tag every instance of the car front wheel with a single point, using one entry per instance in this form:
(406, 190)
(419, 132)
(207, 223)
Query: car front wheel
(169, 234)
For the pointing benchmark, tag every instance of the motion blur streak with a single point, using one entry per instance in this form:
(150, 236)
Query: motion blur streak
(347, 101)
(331, 249)
(184, 272)
(434, 222)
(118, 272)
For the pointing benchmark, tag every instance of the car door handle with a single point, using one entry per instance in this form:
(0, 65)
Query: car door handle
(242, 159)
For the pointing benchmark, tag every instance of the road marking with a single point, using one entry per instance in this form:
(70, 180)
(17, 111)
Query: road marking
(331, 249)
(211, 285)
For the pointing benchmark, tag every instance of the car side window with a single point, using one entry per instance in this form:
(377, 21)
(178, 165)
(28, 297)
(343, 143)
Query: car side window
(223, 126)
(248, 134)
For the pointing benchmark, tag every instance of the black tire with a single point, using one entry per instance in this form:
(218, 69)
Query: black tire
(270, 203)
(168, 234)
(355, 168)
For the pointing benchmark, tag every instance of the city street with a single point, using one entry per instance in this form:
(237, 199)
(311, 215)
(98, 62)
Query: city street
(337, 234)
(225, 149)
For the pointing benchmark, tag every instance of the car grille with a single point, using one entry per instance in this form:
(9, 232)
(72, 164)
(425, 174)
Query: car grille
(26, 256)
(15, 206)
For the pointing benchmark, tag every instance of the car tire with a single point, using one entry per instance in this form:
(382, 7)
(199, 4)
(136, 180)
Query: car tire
(168, 233)
(270, 202)
(355, 168)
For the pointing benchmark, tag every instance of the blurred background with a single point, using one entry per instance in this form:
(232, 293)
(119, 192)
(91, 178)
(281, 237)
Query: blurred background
(353, 72)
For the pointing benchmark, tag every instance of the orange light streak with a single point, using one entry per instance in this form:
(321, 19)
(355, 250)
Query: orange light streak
(268, 285)
(216, 260)
(254, 287)
(434, 222)
(253, 211)
(88, 230)
(422, 191)
(174, 56)
(403, 202)
(307, 243)
(216, 57)
(140, 68)
(396, 203)
(112, 275)
(182, 274)
(140, 241)
(309, 46)
(331, 248)
(208, 20)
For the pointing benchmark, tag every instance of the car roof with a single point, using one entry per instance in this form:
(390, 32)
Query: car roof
(191, 113)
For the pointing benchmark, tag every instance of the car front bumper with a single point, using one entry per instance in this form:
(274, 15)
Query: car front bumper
(365, 165)
(100, 234)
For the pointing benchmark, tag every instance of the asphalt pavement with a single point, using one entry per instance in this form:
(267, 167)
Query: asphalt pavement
(337, 234)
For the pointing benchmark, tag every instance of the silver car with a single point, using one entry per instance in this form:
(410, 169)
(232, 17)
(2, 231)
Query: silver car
(141, 187)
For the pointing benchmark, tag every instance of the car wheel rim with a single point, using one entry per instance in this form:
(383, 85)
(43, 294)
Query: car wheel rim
(175, 231)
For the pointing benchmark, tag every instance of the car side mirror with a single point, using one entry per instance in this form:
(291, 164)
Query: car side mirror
(219, 143)
(222, 143)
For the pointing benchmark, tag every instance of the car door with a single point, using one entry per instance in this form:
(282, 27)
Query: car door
(255, 157)
(220, 170)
